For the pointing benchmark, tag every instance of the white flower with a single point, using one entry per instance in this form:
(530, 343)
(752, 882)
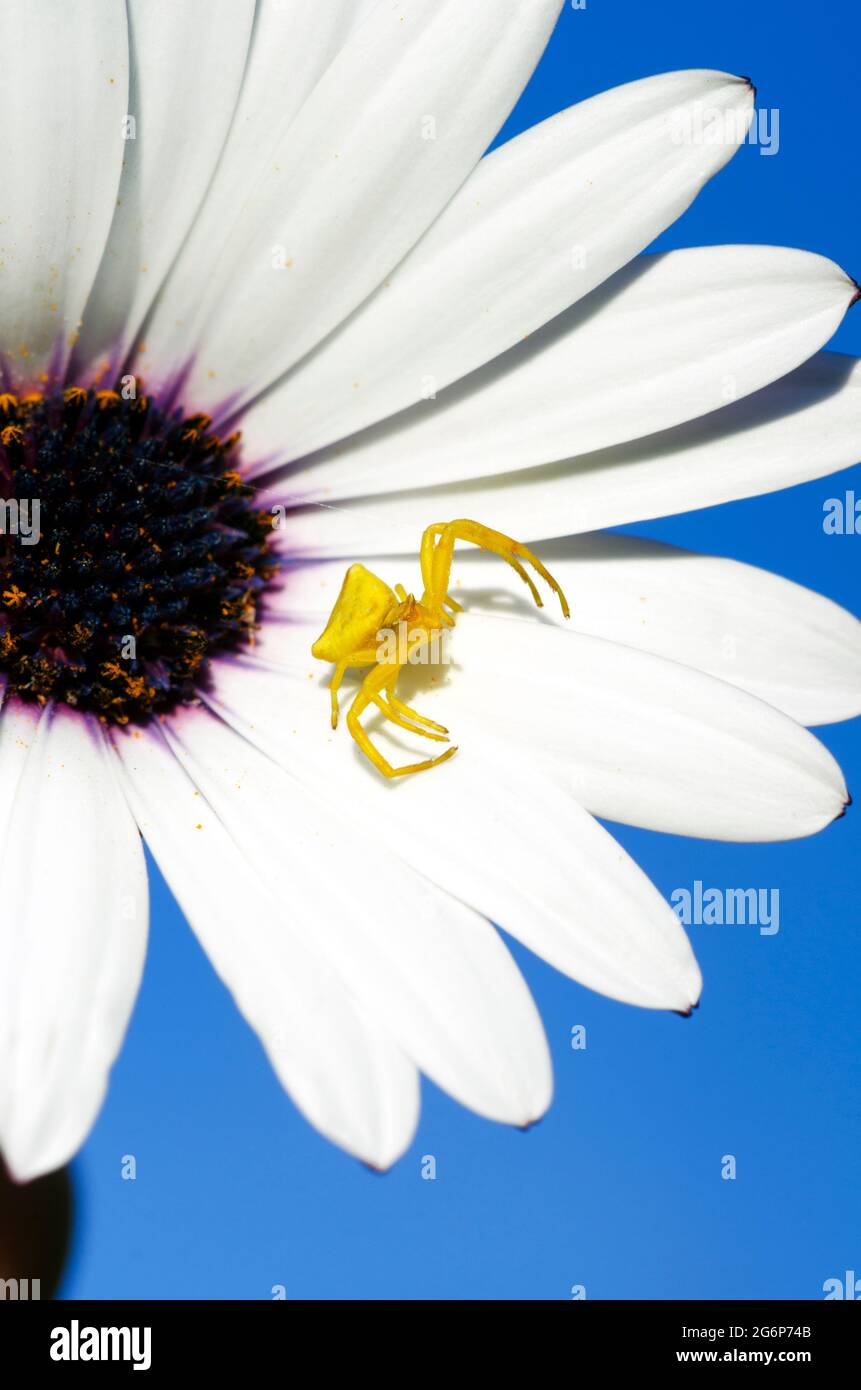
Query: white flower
(278, 215)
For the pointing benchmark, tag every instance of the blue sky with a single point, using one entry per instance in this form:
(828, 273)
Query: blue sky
(619, 1189)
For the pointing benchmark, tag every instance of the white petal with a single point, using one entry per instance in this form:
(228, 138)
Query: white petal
(785, 644)
(187, 65)
(666, 340)
(63, 94)
(501, 836)
(802, 427)
(354, 181)
(347, 1077)
(292, 44)
(541, 222)
(636, 737)
(72, 932)
(641, 739)
(428, 970)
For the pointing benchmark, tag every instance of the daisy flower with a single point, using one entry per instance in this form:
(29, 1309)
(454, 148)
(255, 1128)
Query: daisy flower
(265, 311)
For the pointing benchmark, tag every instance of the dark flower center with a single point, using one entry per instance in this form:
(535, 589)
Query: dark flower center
(132, 551)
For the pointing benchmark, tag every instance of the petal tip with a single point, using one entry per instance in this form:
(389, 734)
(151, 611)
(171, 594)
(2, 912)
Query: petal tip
(529, 1110)
(689, 1011)
(25, 1168)
(526, 1125)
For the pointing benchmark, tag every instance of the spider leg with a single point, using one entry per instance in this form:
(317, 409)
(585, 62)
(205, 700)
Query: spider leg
(368, 693)
(365, 658)
(518, 568)
(386, 708)
(399, 707)
(437, 556)
(413, 714)
(426, 555)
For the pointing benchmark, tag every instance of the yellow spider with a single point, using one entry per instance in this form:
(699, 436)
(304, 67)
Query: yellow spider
(367, 608)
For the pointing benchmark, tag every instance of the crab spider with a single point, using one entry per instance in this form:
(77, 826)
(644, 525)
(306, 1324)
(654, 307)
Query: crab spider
(366, 606)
